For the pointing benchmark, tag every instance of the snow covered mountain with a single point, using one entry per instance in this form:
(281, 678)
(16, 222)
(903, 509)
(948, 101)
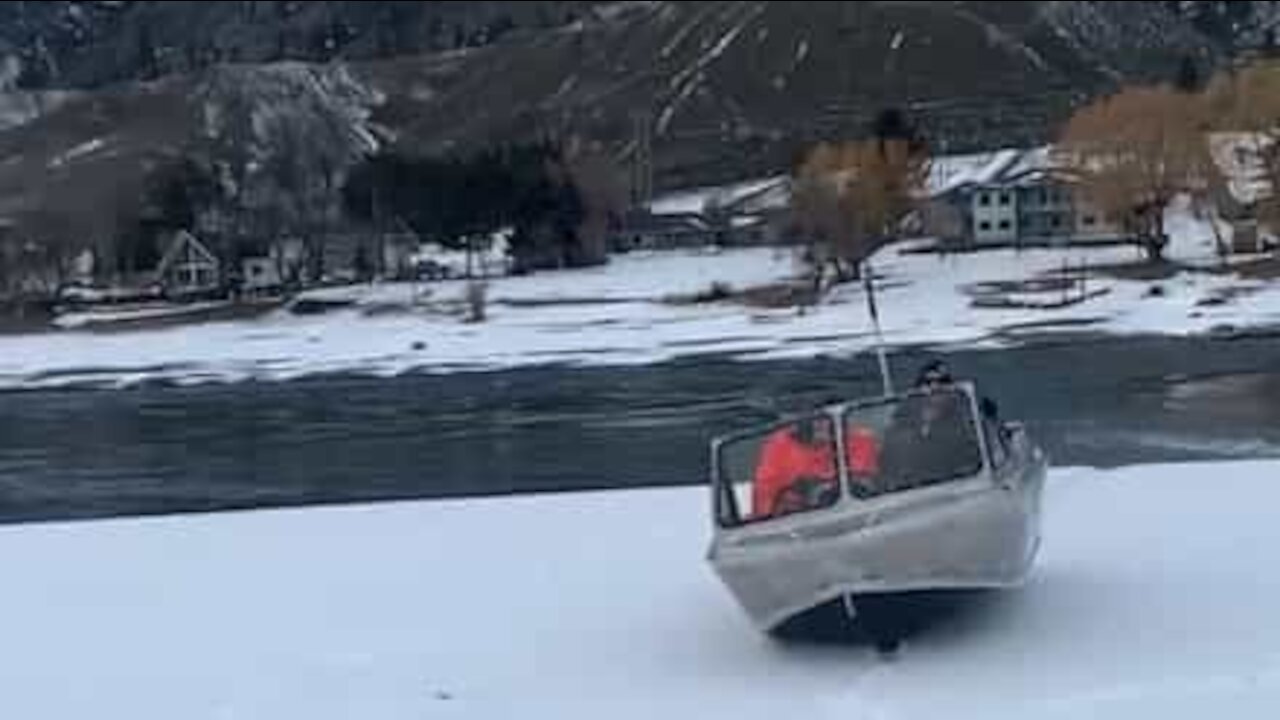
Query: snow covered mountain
(726, 88)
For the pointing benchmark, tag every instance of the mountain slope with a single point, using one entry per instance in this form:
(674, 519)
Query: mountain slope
(721, 89)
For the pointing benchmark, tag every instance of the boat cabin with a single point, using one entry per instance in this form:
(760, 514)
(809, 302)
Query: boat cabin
(916, 491)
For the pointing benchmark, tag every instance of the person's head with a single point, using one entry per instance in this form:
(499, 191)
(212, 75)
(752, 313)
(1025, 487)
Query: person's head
(935, 381)
(812, 431)
(935, 374)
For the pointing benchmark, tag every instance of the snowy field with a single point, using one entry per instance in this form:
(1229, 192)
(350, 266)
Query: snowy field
(1146, 602)
(621, 314)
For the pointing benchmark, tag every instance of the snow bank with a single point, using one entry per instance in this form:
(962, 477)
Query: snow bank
(614, 314)
(618, 314)
(1142, 604)
(74, 320)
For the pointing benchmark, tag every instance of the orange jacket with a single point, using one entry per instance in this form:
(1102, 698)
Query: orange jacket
(863, 451)
(784, 459)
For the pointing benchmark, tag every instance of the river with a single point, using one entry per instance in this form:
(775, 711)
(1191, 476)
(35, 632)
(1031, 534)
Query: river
(156, 449)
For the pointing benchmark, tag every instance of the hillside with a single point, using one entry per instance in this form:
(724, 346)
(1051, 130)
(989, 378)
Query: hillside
(726, 88)
(115, 114)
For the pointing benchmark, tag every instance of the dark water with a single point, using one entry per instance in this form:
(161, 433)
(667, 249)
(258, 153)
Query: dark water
(83, 453)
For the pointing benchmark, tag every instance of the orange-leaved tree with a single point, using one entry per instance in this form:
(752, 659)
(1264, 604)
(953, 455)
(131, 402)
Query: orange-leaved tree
(850, 197)
(1134, 152)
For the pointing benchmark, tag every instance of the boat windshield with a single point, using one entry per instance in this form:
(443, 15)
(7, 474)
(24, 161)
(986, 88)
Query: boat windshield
(899, 444)
(911, 442)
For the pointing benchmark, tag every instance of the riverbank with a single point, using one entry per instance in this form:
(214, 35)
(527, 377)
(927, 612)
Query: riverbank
(646, 308)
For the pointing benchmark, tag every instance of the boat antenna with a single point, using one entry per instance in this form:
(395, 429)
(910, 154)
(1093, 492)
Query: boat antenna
(882, 352)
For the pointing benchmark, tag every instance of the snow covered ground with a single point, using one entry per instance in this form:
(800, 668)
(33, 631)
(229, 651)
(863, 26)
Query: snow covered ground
(620, 314)
(1145, 603)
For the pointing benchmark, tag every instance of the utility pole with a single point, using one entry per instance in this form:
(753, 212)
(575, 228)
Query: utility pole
(882, 352)
(642, 158)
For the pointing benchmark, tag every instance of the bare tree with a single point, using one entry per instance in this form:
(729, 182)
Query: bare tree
(1137, 150)
(850, 197)
(603, 193)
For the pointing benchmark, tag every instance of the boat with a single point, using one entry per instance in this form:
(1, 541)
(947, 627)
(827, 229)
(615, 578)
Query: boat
(860, 504)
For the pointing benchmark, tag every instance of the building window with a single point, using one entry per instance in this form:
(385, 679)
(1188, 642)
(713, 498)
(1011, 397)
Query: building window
(1004, 224)
(984, 199)
(984, 225)
(1004, 198)
(1055, 221)
(1089, 220)
(1042, 196)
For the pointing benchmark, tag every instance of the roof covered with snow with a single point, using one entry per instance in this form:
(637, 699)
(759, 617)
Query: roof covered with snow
(1238, 157)
(760, 194)
(949, 173)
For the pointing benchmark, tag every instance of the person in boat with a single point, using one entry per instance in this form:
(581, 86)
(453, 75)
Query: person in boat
(935, 374)
(931, 437)
(862, 456)
(797, 468)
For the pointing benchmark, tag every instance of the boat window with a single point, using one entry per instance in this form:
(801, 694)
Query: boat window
(786, 469)
(911, 442)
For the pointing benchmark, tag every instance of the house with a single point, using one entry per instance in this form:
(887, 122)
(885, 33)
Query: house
(290, 256)
(1241, 159)
(1012, 197)
(188, 268)
(762, 229)
(993, 214)
(742, 214)
(644, 230)
(942, 218)
(260, 275)
(480, 256)
(751, 214)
